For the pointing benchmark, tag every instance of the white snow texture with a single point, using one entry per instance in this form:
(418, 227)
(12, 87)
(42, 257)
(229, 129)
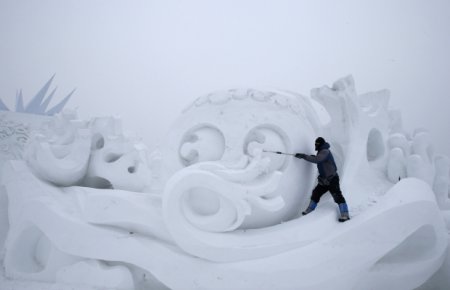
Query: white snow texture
(82, 205)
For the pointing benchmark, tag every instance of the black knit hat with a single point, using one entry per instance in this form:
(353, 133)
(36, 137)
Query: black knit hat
(320, 141)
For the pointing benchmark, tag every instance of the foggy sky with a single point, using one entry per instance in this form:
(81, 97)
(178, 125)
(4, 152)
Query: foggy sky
(146, 60)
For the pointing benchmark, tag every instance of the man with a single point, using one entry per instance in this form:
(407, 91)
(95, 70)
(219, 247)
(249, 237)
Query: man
(328, 179)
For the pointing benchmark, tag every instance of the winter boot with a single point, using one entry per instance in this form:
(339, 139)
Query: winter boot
(343, 208)
(312, 206)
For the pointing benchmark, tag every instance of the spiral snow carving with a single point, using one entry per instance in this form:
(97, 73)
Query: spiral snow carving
(60, 156)
(202, 144)
(214, 198)
(215, 140)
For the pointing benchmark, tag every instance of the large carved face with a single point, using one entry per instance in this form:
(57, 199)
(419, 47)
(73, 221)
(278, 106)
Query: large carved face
(232, 130)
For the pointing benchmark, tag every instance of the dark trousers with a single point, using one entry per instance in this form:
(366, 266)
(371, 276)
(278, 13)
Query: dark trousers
(333, 188)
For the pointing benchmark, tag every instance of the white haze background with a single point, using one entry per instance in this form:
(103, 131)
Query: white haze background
(146, 60)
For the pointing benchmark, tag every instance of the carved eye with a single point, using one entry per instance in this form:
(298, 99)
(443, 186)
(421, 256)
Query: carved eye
(268, 138)
(203, 143)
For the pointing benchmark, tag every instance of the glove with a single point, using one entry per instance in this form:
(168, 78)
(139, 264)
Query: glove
(300, 155)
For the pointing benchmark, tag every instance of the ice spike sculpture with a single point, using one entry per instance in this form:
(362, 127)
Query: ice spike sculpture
(40, 102)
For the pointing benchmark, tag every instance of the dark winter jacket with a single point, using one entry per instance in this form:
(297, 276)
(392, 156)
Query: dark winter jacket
(325, 162)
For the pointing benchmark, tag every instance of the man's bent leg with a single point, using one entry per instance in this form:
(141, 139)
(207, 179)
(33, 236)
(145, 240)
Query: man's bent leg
(315, 198)
(317, 192)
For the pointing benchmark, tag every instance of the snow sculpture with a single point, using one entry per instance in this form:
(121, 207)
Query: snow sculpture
(228, 214)
(13, 137)
(69, 152)
(115, 161)
(39, 103)
(398, 243)
(60, 152)
(15, 132)
(229, 149)
(358, 128)
(414, 157)
(366, 136)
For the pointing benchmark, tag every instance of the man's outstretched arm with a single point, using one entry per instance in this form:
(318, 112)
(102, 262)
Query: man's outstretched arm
(323, 154)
